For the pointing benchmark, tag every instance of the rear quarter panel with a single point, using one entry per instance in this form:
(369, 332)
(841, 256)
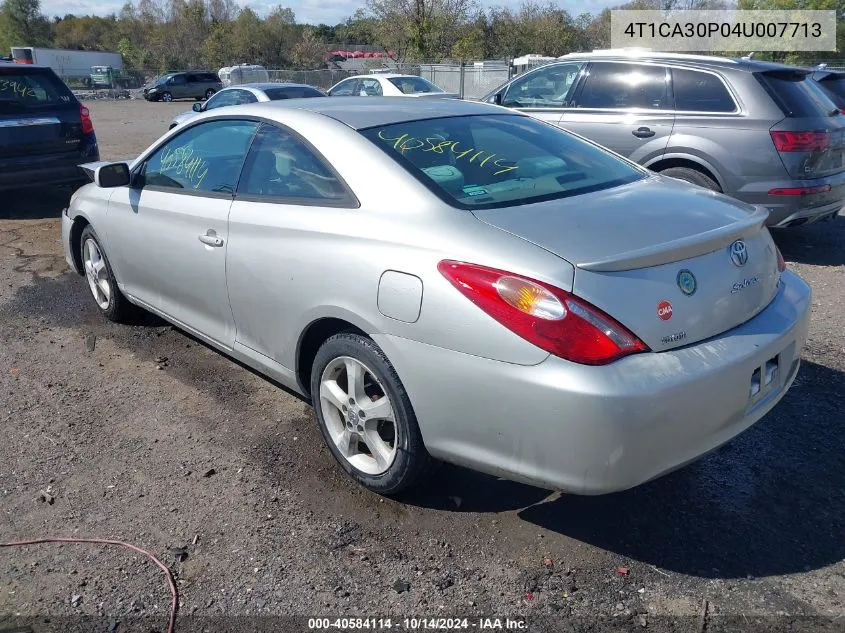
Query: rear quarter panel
(738, 149)
(289, 265)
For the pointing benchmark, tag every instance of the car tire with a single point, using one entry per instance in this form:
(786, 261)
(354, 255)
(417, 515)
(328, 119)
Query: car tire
(687, 174)
(209, 93)
(166, 97)
(380, 447)
(101, 281)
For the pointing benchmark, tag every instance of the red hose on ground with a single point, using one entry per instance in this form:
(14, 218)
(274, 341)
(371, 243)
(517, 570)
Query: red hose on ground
(174, 605)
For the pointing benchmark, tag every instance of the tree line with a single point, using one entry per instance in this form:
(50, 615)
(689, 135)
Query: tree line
(159, 35)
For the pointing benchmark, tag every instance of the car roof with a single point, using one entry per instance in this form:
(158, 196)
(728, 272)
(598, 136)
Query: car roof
(710, 61)
(270, 85)
(382, 75)
(360, 113)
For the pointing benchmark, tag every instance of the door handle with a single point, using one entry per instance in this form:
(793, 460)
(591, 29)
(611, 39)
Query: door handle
(643, 132)
(211, 239)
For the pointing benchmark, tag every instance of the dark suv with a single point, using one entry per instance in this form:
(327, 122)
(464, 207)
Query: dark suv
(45, 133)
(763, 133)
(197, 84)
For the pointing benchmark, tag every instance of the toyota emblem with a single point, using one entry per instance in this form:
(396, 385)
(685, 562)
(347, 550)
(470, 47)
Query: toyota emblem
(739, 253)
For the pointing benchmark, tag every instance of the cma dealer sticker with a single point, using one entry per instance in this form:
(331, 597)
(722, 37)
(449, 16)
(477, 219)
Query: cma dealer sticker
(664, 310)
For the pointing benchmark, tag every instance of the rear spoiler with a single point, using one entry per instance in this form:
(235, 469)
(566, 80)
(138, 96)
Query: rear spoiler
(683, 248)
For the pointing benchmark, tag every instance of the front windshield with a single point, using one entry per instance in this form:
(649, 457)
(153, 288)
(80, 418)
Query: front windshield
(490, 161)
(163, 79)
(413, 85)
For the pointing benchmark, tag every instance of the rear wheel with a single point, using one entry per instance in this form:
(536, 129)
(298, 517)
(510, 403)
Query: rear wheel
(101, 282)
(687, 174)
(166, 97)
(365, 415)
(209, 93)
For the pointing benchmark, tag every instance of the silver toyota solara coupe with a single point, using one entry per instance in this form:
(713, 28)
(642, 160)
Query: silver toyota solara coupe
(453, 281)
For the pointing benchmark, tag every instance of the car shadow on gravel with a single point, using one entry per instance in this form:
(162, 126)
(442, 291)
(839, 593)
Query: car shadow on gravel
(456, 489)
(769, 502)
(35, 204)
(820, 243)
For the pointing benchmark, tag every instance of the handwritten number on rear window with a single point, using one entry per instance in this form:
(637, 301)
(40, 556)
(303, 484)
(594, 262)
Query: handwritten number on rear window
(439, 145)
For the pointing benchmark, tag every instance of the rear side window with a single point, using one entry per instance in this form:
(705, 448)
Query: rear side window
(700, 92)
(274, 94)
(281, 166)
(413, 85)
(796, 94)
(493, 161)
(834, 87)
(623, 86)
(27, 89)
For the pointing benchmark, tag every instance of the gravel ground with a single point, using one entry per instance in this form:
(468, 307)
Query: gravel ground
(145, 435)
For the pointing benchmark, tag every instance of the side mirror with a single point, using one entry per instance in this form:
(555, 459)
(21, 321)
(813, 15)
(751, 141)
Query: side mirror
(197, 107)
(112, 175)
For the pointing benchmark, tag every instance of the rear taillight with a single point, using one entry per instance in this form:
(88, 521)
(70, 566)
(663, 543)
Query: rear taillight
(544, 315)
(798, 191)
(87, 124)
(800, 141)
(781, 261)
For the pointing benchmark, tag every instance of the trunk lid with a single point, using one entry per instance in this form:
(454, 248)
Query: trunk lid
(38, 114)
(811, 139)
(674, 263)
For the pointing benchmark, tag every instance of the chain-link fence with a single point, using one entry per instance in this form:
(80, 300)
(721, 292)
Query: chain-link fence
(471, 81)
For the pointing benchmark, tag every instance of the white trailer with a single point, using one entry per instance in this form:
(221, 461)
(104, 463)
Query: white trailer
(67, 64)
(243, 74)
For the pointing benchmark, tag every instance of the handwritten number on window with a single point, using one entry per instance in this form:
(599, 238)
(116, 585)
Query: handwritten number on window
(406, 143)
(182, 162)
(16, 88)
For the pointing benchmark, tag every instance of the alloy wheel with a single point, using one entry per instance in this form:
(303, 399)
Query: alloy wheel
(359, 415)
(96, 273)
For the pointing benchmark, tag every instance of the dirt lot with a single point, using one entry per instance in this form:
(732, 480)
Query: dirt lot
(145, 435)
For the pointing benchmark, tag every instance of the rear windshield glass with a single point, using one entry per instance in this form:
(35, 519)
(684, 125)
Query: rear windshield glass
(797, 94)
(834, 86)
(22, 89)
(274, 94)
(413, 85)
(491, 161)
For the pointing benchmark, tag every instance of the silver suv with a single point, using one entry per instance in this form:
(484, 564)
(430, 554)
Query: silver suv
(761, 132)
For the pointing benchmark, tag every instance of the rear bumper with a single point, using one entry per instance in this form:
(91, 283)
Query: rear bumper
(791, 210)
(595, 430)
(23, 172)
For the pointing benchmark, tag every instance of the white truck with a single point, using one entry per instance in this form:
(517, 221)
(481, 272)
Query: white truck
(72, 66)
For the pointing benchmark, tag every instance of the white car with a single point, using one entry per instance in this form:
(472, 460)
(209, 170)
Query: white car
(388, 85)
(249, 93)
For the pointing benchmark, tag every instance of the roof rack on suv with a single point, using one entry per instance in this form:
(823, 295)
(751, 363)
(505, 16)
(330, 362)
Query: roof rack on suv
(647, 53)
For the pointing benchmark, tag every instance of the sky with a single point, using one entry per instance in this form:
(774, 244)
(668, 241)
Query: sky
(307, 11)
